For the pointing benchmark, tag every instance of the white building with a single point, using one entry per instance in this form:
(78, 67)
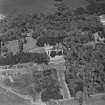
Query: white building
(102, 19)
(2, 16)
(98, 38)
(54, 52)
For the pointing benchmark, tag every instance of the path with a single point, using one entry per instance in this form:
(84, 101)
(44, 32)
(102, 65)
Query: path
(61, 78)
(59, 65)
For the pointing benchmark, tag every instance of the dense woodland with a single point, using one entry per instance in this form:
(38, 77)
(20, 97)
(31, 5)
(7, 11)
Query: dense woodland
(11, 59)
(85, 62)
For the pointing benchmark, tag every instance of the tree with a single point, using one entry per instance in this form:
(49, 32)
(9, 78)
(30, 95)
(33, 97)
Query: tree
(88, 23)
(22, 57)
(51, 37)
(17, 25)
(80, 11)
(61, 7)
(0, 46)
(85, 64)
(96, 7)
(20, 44)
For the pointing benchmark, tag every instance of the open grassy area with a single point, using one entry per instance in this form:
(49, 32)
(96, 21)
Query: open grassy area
(7, 98)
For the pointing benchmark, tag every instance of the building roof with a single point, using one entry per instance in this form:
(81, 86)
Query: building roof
(2, 16)
(102, 19)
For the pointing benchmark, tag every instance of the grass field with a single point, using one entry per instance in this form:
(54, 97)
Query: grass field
(7, 98)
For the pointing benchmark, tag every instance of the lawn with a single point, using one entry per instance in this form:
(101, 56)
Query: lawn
(7, 98)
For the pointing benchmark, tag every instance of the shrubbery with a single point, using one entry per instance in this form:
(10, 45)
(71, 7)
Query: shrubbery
(24, 58)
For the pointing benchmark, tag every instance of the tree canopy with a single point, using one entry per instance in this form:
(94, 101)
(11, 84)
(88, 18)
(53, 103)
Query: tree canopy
(96, 7)
(85, 63)
(11, 59)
